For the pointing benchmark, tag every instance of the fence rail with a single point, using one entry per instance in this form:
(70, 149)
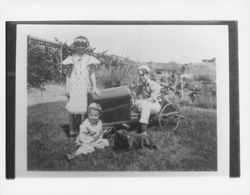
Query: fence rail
(43, 42)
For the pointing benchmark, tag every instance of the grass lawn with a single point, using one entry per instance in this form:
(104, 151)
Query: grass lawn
(193, 147)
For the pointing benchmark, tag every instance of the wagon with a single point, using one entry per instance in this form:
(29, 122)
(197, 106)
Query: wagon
(118, 109)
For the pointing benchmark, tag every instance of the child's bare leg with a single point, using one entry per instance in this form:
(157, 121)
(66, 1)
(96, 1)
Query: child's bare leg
(78, 119)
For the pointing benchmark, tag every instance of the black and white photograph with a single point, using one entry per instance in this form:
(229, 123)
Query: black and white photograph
(130, 97)
(122, 97)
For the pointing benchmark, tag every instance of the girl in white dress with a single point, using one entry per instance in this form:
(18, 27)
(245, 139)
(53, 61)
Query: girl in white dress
(90, 135)
(80, 76)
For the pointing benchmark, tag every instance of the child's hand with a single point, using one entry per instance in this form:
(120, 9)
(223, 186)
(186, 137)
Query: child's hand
(78, 141)
(67, 95)
(91, 134)
(96, 91)
(95, 138)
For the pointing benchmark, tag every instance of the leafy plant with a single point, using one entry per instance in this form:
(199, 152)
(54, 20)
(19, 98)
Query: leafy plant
(202, 77)
(43, 65)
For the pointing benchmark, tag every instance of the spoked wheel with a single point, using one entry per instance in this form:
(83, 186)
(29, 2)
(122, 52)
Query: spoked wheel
(169, 118)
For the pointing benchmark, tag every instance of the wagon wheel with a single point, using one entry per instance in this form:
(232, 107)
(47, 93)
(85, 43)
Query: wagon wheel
(169, 118)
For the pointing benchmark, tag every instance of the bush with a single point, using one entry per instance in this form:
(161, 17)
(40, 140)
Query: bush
(205, 102)
(116, 73)
(204, 77)
(106, 78)
(43, 65)
(185, 102)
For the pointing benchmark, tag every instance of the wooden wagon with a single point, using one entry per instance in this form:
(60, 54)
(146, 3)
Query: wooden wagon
(118, 109)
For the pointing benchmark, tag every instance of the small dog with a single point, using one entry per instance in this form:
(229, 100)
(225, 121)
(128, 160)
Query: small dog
(121, 140)
(125, 140)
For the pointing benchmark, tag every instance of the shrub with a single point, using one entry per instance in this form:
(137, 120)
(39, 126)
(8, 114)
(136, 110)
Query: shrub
(116, 73)
(185, 102)
(205, 102)
(43, 65)
(202, 77)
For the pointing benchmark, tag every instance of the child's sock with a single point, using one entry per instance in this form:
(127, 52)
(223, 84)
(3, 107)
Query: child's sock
(78, 119)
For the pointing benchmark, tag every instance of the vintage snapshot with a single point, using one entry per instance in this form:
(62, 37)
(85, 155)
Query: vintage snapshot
(120, 97)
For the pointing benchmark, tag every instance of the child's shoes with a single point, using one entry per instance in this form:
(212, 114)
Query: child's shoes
(71, 132)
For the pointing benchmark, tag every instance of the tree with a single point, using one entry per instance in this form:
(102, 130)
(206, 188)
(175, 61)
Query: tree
(43, 65)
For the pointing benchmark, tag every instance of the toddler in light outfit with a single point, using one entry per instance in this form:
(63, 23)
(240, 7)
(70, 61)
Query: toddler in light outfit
(90, 135)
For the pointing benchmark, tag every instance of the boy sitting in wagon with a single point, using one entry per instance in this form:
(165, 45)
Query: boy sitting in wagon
(150, 97)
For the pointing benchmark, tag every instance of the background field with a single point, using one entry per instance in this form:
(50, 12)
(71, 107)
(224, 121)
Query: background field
(193, 147)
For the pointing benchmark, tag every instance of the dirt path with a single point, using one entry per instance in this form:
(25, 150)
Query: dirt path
(52, 93)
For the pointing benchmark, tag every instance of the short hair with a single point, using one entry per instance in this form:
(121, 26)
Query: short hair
(144, 68)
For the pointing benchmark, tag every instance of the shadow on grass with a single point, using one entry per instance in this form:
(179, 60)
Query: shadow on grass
(65, 129)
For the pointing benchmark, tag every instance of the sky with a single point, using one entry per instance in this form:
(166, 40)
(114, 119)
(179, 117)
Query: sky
(157, 43)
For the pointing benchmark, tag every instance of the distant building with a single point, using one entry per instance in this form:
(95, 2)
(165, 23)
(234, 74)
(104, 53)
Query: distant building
(164, 70)
(209, 60)
(161, 73)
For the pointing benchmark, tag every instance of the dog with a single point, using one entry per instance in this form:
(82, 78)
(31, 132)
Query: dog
(125, 140)
(121, 140)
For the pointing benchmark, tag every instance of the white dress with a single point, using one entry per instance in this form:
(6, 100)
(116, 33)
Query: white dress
(86, 139)
(78, 84)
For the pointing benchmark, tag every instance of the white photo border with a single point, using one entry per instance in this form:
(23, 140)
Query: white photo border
(222, 110)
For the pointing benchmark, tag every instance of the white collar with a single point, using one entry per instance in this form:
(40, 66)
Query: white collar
(77, 58)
